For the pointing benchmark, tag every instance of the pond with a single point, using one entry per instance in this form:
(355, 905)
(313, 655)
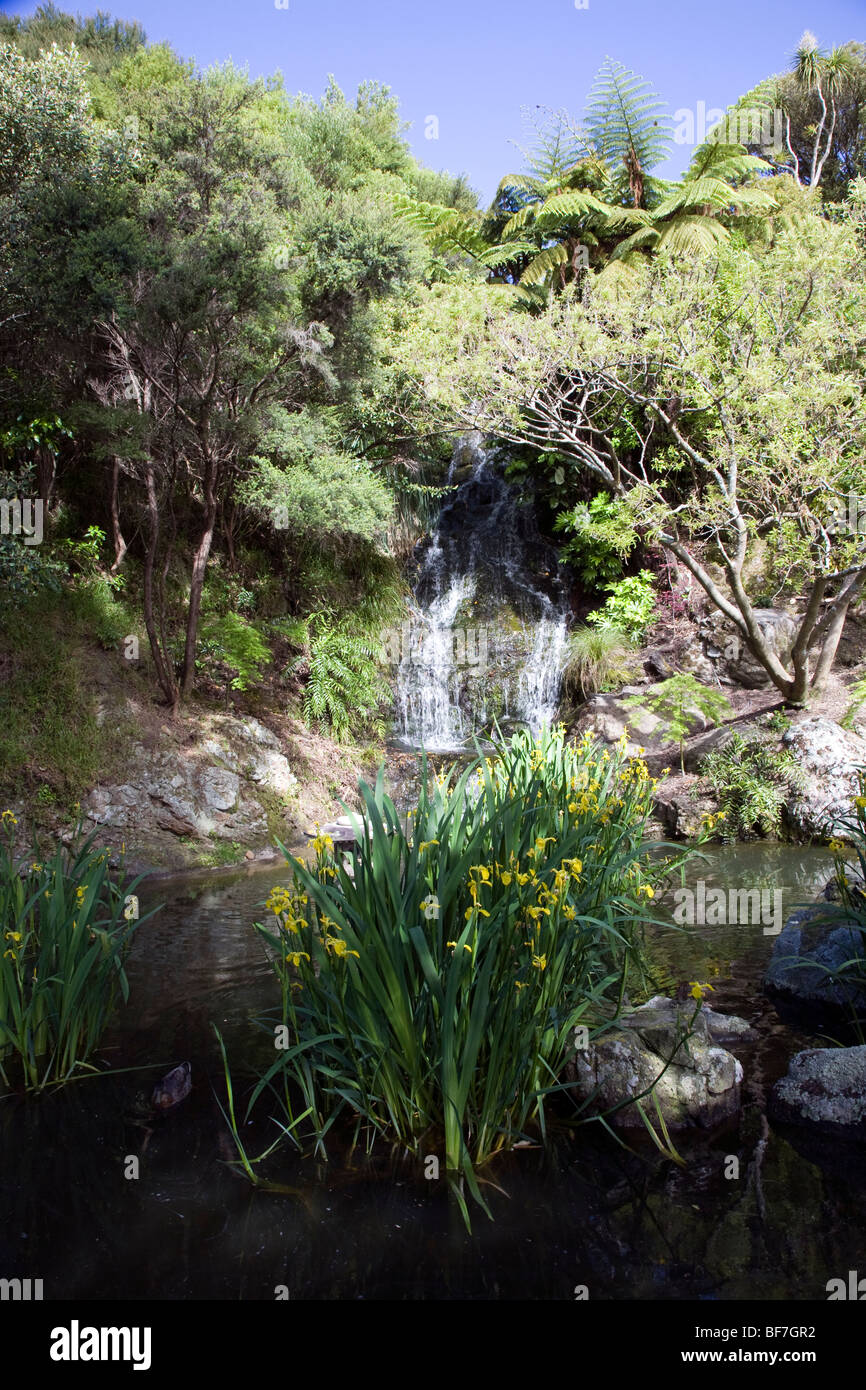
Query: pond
(627, 1224)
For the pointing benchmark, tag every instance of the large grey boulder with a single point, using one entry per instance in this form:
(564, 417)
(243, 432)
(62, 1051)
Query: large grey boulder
(610, 716)
(830, 758)
(806, 970)
(825, 1089)
(726, 647)
(701, 1086)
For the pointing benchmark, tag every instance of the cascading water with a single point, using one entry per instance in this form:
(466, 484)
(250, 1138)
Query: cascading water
(486, 632)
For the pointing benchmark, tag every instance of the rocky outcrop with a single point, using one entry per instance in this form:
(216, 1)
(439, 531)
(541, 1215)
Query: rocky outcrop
(218, 789)
(829, 757)
(680, 811)
(697, 1082)
(825, 1090)
(809, 971)
(610, 716)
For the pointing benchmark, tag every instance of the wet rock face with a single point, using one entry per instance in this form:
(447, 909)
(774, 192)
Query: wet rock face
(701, 1086)
(485, 633)
(211, 792)
(825, 1089)
(804, 969)
(830, 757)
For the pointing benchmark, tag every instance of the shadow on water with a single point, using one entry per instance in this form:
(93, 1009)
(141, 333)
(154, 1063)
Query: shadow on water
(586, 1212)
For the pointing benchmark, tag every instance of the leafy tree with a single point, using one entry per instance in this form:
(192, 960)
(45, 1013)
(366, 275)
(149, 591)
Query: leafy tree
(822, 102)
(304, 485)
(102, 41)
(722, 402)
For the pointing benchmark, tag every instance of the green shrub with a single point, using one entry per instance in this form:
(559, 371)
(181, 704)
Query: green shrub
(629, 607)
(234, 642)
(778, 722)
(66, 933)
(601, 539)
(751, 779)
(431, 995)
(598, 658)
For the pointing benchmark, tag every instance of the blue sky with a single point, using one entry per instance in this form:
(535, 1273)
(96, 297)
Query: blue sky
(473, 64)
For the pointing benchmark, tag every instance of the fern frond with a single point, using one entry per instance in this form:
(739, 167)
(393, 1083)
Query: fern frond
(626, 118)
(539, 269)
(690, 236)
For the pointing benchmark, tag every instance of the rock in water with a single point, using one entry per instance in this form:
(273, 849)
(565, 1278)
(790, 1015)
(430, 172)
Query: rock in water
(173, 1088)
(825, 1089)
(818, 967)
(701, 1086)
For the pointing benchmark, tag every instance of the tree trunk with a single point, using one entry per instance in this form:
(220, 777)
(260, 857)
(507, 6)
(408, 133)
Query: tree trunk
(835, 624)
(164, 672)
(46, 474)
(119, 542)
(199, 569)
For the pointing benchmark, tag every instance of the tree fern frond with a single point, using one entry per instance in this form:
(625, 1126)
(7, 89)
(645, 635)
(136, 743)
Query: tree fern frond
(520, 183)
(644, 239)
(686, 235)
(539, 269)
(508, 251)
(445, 227)
(626, 119)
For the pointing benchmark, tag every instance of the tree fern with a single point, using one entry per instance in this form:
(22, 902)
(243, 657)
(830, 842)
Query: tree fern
(557, 146)
(627, 125)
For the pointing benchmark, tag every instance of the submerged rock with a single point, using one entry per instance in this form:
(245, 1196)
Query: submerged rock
(701, 1086)
(825, 1089)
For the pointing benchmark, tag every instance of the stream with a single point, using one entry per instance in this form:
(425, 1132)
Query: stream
(625, 1223)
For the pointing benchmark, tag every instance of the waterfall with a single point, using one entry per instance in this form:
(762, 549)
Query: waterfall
(486, 630)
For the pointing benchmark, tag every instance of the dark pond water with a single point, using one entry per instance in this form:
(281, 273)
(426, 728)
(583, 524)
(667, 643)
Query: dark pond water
(628, 1225)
